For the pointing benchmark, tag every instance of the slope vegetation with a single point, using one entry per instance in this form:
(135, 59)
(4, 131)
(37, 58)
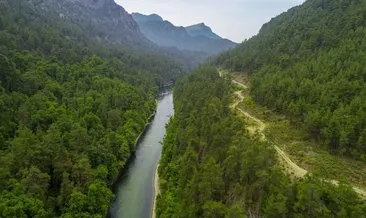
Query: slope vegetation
(260, 126)
(71, 107)
(212, 167)
(309, 63)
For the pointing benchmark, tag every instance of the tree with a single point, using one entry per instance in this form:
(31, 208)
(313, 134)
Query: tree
(99, 198)
(8, 76)
(35, 182)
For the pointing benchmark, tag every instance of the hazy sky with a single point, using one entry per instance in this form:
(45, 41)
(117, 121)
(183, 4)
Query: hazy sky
(232, 19)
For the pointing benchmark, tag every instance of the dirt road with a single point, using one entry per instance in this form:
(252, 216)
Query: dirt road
(291, 166)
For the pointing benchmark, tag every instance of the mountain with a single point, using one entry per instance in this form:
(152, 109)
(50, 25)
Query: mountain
(140, 18)
(201, 30)
(102, 19)
(107, 22)
(309, 63)
(198, 38)
(78, 82)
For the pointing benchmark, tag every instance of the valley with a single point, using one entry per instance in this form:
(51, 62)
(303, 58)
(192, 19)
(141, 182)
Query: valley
(111, 112)
(136, 187)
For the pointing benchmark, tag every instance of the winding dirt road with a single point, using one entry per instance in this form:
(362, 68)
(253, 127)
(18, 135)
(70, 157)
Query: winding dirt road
(290, 166)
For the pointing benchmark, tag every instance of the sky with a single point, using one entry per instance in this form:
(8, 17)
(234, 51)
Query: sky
(236, 20)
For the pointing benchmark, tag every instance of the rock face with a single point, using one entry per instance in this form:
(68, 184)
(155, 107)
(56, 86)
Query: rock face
(103, 19)
(198, 37)
(95, 3)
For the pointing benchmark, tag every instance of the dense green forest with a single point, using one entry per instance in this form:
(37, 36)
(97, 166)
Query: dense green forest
(212, 167)
(309, 63)
(71, 108)
(72, 104)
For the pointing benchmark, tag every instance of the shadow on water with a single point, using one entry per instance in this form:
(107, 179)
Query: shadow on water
(134, 187)
(132, 158)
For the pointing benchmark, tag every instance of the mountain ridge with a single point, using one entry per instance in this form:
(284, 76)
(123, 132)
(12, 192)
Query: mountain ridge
(198, 37)
(201, 29)
(106, 20)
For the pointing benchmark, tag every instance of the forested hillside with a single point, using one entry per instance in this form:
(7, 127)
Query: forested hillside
(309, 63)
(71, 108)
(212, 167)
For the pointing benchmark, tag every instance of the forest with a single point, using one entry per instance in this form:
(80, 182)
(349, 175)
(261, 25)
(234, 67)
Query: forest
(71, 108)
(308, 63)
(73, 103)
(212, 167)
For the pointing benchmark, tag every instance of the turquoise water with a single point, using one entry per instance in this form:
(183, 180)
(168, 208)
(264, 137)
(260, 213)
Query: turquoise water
(134, 194)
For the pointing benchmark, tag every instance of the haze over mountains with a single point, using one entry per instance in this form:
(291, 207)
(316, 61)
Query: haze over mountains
(108, 22)
(201, 30)
(197, 37)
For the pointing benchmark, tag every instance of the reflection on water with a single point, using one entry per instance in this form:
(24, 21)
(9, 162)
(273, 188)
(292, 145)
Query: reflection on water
(135, 188)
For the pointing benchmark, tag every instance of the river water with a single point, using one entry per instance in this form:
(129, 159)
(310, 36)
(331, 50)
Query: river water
(134, 193)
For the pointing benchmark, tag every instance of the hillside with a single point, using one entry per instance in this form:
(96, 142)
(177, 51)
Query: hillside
(212, 167)
(103, 20)
(73, 99)
(106, 22)
(82, 111)
(308, 63)
(198, 38)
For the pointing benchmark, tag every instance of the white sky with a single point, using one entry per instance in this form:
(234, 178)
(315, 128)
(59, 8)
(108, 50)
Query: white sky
(232, 19)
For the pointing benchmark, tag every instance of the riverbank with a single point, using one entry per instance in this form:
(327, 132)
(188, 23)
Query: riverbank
(156, 191)
(130, 158)
(135, 190)
(151, 117)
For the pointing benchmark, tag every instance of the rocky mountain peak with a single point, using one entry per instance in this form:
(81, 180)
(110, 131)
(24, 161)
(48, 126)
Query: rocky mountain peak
(147, 18)
(201, 25)
(97, 3)
(202, 29)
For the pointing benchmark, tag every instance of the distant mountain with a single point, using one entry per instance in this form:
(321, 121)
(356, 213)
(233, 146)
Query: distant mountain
(201, 30)
(193, 38)
(146, 18)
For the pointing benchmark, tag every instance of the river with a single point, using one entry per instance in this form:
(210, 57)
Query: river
(134, 193)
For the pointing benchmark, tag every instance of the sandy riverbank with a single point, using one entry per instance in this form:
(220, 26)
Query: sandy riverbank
(156, 191)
